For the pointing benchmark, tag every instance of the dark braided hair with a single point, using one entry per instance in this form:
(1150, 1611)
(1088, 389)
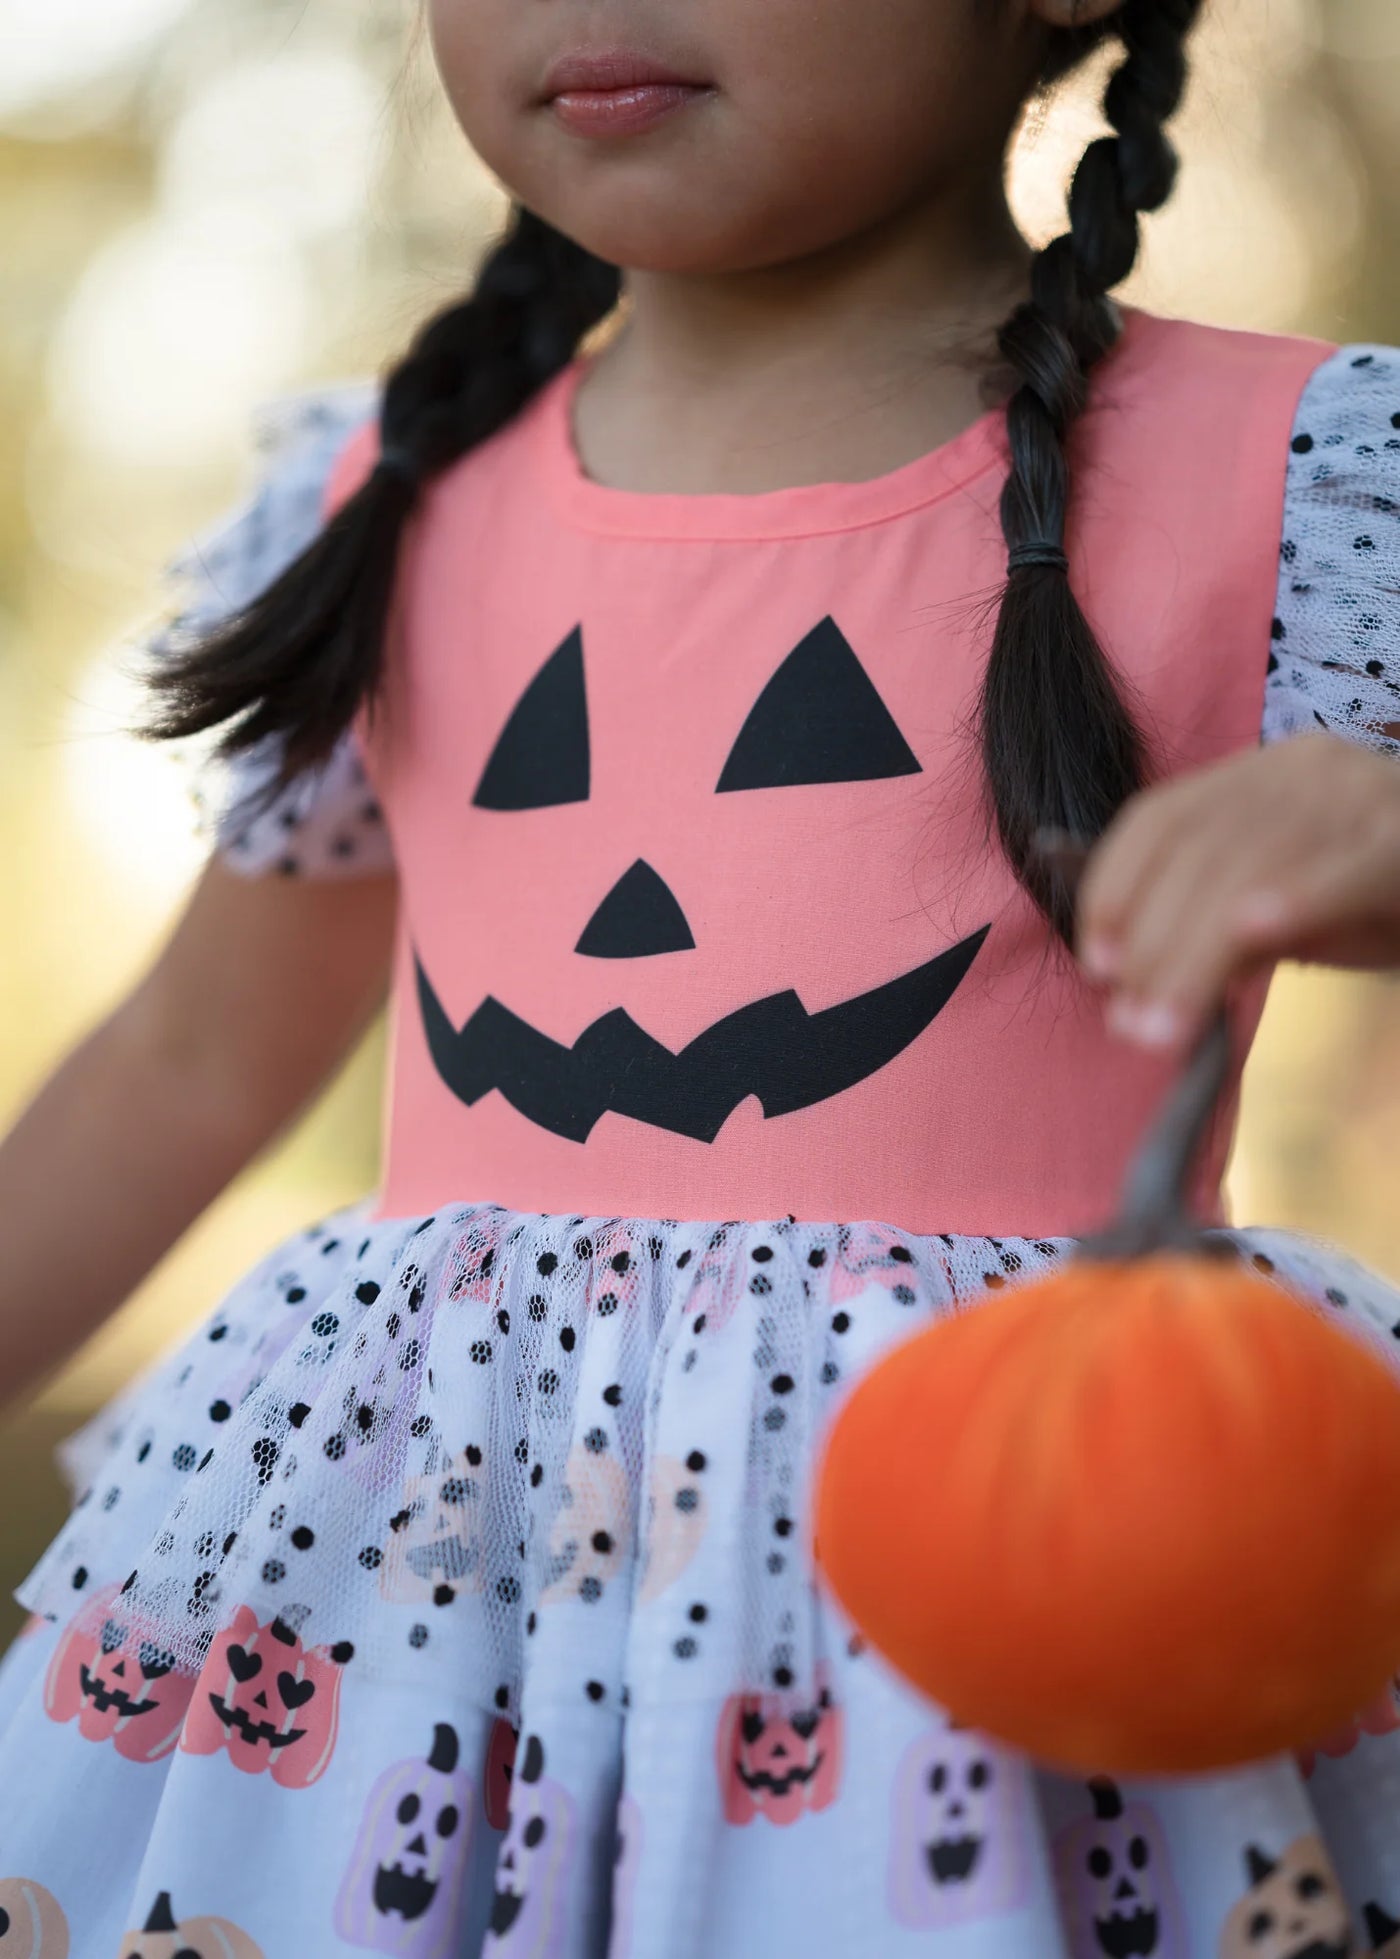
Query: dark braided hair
(298, 661)
(1059, 744)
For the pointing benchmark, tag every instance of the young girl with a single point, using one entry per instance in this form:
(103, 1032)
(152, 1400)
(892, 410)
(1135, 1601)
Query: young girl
(685, 707)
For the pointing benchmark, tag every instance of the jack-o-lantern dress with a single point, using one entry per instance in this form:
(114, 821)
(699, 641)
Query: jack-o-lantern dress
(447, 1590)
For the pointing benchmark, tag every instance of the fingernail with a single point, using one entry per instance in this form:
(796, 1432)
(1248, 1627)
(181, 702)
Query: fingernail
(1150, 1023)
(1100, 958)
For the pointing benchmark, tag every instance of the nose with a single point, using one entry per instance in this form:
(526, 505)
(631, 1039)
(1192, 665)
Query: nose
(640, 916)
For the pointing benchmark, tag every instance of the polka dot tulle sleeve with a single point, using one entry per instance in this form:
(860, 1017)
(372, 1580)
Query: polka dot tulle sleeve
(1335, 660)
(326, 822)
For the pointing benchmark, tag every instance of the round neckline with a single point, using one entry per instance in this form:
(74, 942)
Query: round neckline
(800, 510)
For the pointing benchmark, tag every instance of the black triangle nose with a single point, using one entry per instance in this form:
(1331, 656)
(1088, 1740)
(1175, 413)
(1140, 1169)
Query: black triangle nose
(640, 916)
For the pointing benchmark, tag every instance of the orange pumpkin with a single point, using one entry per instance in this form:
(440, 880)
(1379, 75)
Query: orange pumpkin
(1139, 1518)
(1142, 1517)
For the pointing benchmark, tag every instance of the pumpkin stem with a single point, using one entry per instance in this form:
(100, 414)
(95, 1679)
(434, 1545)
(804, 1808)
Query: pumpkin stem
(443, 1756)
(162, 1918)
(1153, 1213)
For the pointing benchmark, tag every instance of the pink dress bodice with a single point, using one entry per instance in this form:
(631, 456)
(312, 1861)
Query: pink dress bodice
(699, 916)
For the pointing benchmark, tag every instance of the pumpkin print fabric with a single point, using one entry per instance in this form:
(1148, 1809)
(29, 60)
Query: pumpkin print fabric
(447, 1590)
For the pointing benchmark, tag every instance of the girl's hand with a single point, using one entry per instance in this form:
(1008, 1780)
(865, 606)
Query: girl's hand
(1285, 852)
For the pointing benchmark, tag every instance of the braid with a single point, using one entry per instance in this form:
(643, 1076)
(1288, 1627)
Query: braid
(301, 657)
(1059, 745)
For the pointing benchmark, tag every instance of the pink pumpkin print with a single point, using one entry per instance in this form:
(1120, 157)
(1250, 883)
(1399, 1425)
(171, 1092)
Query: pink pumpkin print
(121, 1685)
(270, 1702)
(591, 1533)
(676, 1518)
(960, 1842)
(163, 1937)
(627, 1861)
(402, 1889)
(1293, 1909)
(776, 1760)
(1382, 1717)
(532, 1900)
(615, 1272)
(1114, 1875)
(872, 1255)
(433, 1548)
(476, 1258)
(32, 1922)
(500, 1767)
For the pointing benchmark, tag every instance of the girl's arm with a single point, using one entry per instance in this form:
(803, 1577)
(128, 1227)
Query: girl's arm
(262, 989)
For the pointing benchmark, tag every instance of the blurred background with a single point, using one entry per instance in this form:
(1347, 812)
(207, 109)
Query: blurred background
(208, 203)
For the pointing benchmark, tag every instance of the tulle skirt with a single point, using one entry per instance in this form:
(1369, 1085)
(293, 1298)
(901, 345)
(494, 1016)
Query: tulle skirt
(447, 1592)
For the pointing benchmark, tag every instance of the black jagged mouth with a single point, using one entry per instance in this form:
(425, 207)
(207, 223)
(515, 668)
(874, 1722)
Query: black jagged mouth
(103, 1697)
(952, 1860)
(1133, 1935)
(772, 1048)
(505, 1911)
(234, 1717)
(796, 1777)
(408, 1893)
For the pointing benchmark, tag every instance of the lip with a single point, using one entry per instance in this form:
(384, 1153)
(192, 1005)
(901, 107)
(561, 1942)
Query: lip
(616, 92)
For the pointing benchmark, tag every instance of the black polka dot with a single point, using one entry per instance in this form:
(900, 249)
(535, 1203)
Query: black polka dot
(782, 1676)
(1302, 444)
(219, 1411)
(901, 1254)
(830, 1372)
(683, 1261)
(699, 1326)
(567, 1339)
(781, 1384)
(602, 1542)
(503, 1698)
(303, 1537)
(841, 1323)
(367, 1291)
(595, 1690)
(217, 1332)
(783, 1526)
(612, 1394)
(298, 1413)
(695, 1461)
(230, 1541)
(443, 1595)
(536, 1476)
(342, 1652)
(80, 1577)
(143, 1452)
(816, 1256)
(531, 1623)
(761, 1254)
(699, 1613)
(503, 1320)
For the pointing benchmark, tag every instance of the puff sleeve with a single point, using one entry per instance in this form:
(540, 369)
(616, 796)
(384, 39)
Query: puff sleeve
(1335, 658)
(326, 822)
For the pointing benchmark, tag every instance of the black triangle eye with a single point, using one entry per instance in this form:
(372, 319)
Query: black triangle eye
(819, 719)
(541, 755)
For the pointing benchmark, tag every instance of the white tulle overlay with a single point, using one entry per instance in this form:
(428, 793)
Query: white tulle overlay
(507, 1512)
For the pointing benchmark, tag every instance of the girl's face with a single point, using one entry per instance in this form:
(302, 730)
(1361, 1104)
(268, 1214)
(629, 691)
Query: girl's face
(819, 119)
